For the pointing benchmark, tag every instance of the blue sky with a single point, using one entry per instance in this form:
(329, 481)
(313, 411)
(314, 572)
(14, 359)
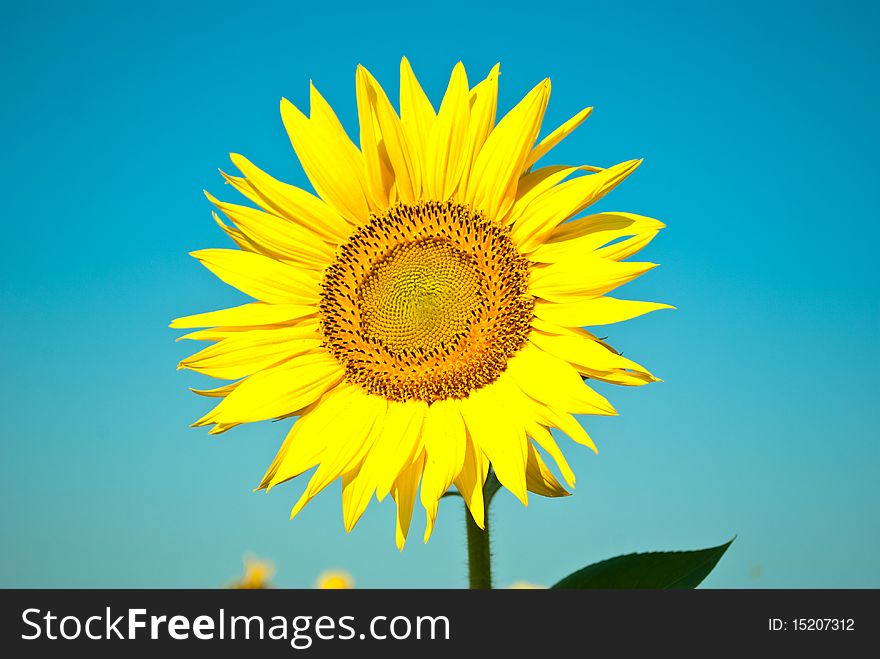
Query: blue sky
(758, 128)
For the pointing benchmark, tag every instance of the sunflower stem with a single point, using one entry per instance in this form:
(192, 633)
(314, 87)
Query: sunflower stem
(479, 553)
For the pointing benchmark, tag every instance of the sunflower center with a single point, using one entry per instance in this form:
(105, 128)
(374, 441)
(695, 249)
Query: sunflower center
(422, 296)
(427, 301)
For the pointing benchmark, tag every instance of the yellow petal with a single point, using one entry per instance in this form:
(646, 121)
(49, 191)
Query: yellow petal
(555, 383)
(416, 113)
(288, 201)
(483, 100)
(563, 201)
(566, 422)
(404, 492)
(249, 352)
(350, 513)
(445, 444)
(539, 479)
(241, 241)
(398, 443)
(594, 311)
(278, 391)
(622, 378)
(490, 424)
(625, 248)
(278, 237)
(430, 515)
(571, 280)
(384, 144)
(222, 427)
(309, 325)
(471, 480)
(252, 313)
(445, 156)
(346, 437)
(359, 488)
(349, 438)
(305, 443)
(333, 164)
(556, 137)
(494, 176)
(218, 392)
(357, 492)
(301, 503)
(598, 235)
(381, 191)
(545, 440)
(444, 437)
(259, 276)
(527, 412)
(590, 357)
(534, 184)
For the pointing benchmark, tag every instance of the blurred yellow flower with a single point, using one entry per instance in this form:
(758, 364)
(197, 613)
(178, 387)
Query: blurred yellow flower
(257, 574)
(334, 580)
(422, 315)
(525, 585)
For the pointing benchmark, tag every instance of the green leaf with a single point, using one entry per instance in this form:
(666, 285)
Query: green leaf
(659, 569)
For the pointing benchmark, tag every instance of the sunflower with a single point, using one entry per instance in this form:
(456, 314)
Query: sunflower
(334, 580)
(422, 314)
(257, 574)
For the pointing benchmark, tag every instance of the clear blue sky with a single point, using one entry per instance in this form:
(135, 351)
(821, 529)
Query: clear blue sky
(758, 125)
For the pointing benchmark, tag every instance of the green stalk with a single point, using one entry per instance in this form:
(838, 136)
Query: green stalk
(479, 554)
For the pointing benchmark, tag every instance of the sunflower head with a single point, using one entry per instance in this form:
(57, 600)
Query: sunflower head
(426, 302)
(257, 574)
(334, 580)
(422, 314)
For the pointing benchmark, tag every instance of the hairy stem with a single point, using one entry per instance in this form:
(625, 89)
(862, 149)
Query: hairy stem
(479, 554)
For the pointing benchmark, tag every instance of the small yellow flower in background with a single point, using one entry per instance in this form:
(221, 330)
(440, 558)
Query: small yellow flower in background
(334, 580)
(257, 574)
(525, 585)
(422, 315)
